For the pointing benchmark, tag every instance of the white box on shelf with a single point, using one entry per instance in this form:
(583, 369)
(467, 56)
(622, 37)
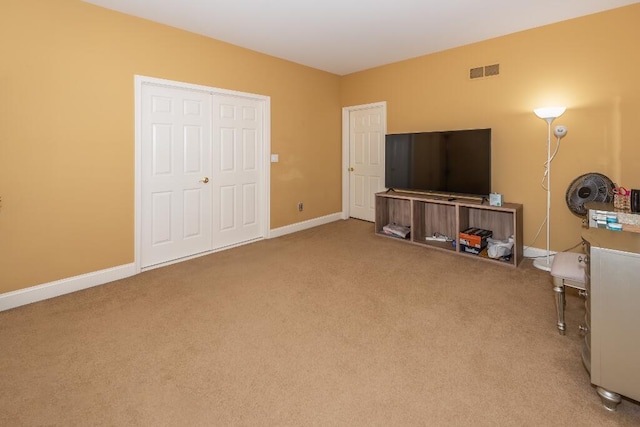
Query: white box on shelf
(495, 199)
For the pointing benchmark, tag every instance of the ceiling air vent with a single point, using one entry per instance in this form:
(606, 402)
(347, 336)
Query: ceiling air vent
(492, 70)
(476, 73)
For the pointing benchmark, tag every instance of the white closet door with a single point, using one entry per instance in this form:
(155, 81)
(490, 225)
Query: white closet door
(237, 170)
(366, 160)
(175, 150)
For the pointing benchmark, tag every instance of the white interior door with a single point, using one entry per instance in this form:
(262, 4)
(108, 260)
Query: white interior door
(175, 170)
(366, 160)
(237, 167)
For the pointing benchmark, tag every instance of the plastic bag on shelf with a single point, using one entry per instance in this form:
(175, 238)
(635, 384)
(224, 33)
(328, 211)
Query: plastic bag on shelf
(499, 248)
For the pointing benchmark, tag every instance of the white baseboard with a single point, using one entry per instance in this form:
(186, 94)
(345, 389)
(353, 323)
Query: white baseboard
(288, 229)
(45, 291)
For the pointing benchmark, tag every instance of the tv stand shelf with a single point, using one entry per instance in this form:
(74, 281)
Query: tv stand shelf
(428, 214)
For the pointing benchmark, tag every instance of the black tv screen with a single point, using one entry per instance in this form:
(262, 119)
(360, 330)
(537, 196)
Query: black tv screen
(452, 162)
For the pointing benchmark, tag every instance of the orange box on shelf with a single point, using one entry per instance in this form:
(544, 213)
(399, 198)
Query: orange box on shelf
(474, 237)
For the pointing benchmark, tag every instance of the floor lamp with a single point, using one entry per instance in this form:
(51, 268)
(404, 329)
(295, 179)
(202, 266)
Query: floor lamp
(548, 114)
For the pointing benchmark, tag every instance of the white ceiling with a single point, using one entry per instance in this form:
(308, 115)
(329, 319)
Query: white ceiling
(345, 36)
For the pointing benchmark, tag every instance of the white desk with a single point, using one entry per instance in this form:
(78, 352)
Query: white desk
(611, 349)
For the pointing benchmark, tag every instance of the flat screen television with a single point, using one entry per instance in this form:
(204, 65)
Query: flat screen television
(449, 162)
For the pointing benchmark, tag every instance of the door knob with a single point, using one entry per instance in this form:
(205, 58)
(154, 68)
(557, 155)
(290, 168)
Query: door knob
(350, 169)
(205, 179)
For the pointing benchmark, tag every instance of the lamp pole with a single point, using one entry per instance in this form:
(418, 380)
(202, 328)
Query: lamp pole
(549, 121)
(548, 114)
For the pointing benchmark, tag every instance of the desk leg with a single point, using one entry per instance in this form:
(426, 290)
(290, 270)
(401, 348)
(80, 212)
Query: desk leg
(609, 399)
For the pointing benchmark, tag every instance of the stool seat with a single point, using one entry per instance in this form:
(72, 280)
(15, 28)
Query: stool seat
(566, 266)
(567, 269)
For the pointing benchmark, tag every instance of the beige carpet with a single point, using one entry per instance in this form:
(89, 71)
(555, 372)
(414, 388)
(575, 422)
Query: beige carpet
(331, 326)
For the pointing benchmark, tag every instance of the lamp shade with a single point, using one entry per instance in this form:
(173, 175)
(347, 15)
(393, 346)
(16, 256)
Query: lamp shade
(549, 112)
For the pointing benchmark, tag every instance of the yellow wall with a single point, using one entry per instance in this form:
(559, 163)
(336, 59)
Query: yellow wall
(589, 64)
(67, 127)
(67, 131)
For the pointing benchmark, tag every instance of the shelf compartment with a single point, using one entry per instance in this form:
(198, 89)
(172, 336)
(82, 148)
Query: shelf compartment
(392, 211)
(431, 218)
(501, 223)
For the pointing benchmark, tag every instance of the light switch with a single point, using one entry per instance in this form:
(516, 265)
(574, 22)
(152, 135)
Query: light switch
(274, 158)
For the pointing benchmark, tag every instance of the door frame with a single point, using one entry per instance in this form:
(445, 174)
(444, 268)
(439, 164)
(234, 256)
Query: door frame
(346, 133)
(265, 177)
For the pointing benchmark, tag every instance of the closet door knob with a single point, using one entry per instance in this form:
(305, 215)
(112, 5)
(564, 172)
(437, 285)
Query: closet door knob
(205, 179)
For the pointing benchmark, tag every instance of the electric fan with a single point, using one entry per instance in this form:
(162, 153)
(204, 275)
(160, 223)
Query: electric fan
(590, 187)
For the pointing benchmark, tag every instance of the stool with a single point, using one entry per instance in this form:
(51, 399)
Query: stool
(567, 269)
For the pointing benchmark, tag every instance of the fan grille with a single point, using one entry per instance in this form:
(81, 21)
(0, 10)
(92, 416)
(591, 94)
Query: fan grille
(590, 187)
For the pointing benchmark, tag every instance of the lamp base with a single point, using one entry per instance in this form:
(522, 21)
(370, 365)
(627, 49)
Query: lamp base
(541, 263)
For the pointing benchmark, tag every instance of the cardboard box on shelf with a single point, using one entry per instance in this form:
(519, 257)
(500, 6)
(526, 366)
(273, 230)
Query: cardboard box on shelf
(470, 249)
(474, 238)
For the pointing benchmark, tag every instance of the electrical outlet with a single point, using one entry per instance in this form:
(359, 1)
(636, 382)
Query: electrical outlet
(300, 206)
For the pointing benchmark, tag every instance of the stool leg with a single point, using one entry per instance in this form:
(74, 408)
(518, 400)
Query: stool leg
(558, 289)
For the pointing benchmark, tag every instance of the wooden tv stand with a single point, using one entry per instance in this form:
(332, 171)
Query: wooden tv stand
(429, 214)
